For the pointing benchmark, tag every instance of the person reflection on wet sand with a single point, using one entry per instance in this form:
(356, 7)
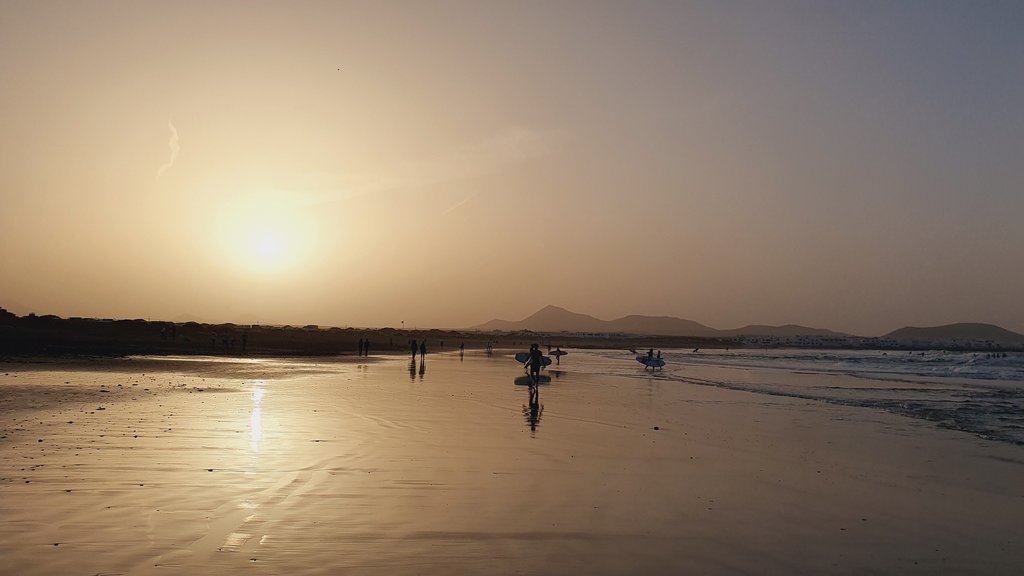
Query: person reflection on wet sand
(423, 367)
(412, 369)
(533, 412)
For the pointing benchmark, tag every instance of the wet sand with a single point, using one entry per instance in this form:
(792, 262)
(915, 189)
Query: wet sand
(291, 467)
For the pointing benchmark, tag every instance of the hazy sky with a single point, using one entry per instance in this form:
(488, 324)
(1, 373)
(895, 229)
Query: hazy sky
(857, 166)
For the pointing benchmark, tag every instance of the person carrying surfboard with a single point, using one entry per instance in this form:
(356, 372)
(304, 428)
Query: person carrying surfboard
(535, 362)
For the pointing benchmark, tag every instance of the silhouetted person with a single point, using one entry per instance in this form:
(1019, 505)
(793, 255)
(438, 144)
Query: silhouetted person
(650, 354)
(245, 341)
(558, 355)
(360, 346)
(535, 362)
(366, 347)
(423, 351)
(462, 349)
(413, 347)
(659, 354)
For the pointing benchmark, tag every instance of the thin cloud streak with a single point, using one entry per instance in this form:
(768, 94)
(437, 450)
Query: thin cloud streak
(175, 148)
(460, 203)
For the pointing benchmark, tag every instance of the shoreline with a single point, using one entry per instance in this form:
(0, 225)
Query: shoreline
(398, 467)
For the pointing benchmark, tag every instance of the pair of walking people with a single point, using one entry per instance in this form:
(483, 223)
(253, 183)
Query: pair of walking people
(422, 349)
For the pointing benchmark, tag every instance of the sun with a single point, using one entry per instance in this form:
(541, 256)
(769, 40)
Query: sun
(269, 248)
(266, 233)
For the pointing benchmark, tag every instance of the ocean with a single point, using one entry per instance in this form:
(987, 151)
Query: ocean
(976, 392)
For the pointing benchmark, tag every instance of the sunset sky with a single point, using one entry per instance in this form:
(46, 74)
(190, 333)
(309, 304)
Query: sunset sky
(857, 166)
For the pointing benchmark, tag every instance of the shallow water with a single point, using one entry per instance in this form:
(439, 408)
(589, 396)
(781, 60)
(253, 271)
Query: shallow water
(392, 467)
(973, 392)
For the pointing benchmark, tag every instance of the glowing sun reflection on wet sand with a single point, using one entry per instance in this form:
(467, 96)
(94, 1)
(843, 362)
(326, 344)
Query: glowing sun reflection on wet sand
(256, 418)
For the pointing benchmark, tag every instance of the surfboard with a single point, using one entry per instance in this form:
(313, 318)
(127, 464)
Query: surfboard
(558, 353)
(651, 362)
(522, 357)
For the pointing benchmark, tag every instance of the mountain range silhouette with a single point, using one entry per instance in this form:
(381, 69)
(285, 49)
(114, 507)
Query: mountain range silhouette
(557, 319)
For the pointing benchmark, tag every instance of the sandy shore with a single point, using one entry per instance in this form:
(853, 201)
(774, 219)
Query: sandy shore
(291, 467)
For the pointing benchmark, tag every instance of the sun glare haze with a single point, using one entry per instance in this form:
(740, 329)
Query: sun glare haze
(849, 166)
(268, 233)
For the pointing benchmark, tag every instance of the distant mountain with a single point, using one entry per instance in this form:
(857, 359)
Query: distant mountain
(788, 330)
(183, 318)
(962, 331)
(660, 326)
(556, 319)
(548, 319)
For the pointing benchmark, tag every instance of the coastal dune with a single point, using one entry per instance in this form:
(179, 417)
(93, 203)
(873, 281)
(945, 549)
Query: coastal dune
(384, 466)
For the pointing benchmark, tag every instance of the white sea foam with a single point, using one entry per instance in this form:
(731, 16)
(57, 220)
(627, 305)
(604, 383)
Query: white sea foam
(977, 392)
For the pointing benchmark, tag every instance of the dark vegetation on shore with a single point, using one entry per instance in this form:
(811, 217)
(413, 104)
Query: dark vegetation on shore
(53, 336)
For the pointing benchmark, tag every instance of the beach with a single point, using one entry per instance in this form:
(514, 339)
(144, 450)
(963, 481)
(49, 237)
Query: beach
(156, 465)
